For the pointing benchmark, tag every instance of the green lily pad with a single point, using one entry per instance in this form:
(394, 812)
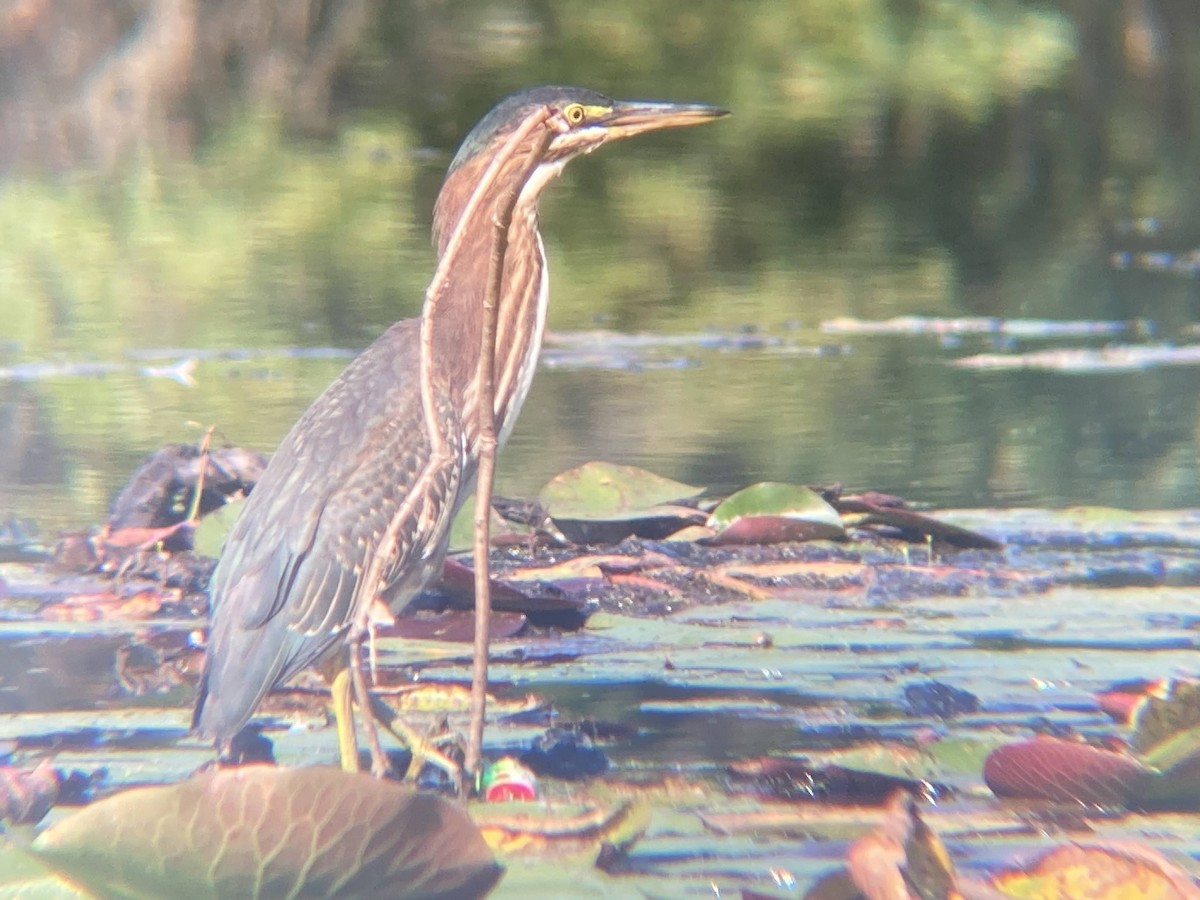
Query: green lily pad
(601, 502)
(1178, 760)
(1163, 717)
(261, 831)
(210, 534)
(462, 529)
(601, 490)
(770, 513)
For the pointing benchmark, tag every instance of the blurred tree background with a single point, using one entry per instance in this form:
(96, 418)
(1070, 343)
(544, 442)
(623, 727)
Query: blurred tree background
(236, 173)
(278, 157)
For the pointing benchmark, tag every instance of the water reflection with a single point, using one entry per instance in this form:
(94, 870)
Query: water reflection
(883, 412)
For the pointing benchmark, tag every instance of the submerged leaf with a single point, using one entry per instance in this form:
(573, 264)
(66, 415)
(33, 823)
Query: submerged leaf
(260, 831)
(771, 513)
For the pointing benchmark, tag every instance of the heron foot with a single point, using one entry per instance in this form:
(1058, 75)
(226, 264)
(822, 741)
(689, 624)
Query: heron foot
(424, 749)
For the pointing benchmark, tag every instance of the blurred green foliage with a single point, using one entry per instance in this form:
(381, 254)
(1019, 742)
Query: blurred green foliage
(236, 247)
(265, 237)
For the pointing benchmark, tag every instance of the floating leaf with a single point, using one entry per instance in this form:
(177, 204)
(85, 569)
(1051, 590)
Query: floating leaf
(109, 606)
(933, 698)
(1178, 785)
(600, 490)
(796, 779)
(602, 502)
(1162, 717)
(458, 583)
(771, 513)
(868, 511)
(1099, 872)
(260, 831)
(1125, 700)
(209, 535)
(1049, 768)
(655, 523)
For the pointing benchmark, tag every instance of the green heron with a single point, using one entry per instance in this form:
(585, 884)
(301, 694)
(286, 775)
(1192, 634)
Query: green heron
(351, 518)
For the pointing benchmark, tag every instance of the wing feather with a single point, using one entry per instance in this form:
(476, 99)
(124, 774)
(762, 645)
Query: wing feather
(290, 582)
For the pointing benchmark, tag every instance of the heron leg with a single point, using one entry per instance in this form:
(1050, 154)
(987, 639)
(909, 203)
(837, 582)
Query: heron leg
(423, 749)
(343, 714)
(380, 766)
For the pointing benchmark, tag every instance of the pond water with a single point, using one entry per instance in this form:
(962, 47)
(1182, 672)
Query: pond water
(891, 413)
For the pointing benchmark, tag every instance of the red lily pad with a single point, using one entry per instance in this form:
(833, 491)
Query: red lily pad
(1049, 768)
(528, 596)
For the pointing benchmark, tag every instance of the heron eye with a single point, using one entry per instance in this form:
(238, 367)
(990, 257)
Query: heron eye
(575, 114)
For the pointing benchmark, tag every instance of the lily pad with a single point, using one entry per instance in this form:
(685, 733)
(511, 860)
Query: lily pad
(210, 534)
(600, 490)
(771, 513)
(1049, 768)
(1098, 870)
(260, 831)
(1160, 718)
(603, 503)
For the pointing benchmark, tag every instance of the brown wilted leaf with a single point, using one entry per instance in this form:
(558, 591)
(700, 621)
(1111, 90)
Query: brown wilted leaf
(109, 606)
(535, 830)
(862, 512)
(796, 779)
(1099, 872)
(902, 854)
(1049, 768)
(26, 795)
(259, 832)
(137, 538)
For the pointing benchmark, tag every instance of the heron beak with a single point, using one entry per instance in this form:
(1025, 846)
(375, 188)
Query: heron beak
(634, 117)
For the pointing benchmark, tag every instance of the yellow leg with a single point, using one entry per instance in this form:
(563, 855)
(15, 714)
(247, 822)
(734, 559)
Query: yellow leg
(343, 714)
(348, 687)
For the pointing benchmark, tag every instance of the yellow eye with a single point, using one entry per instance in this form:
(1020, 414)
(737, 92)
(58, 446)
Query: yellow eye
(575, 114)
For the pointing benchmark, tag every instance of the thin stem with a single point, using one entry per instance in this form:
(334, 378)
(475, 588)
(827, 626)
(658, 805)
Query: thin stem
(487, 432)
